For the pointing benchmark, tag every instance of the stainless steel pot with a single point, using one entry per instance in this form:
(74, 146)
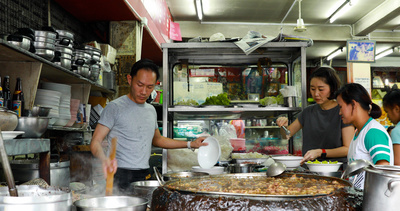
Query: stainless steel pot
(241, 168)
(20, 41)
(8, 120)
(47, 45)
(112, 203)
(35, 198)
(65, 34)
(45, 39)
(145, 189)
(64, 49)
(26, 170)
(381, 188)
(64, 62)
(82, 70)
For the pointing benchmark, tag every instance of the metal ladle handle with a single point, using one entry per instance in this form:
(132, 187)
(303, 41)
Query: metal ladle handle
(158, 176)
(7, 168)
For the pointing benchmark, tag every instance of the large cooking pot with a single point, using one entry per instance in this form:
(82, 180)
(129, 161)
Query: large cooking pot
(183, 174)
(8, 119)
(35, 198)
(381, 188)
(112, 203)
(145, 189)
(172, 197)
(26, 170)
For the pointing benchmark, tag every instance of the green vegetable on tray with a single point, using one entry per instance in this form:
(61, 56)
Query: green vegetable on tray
(188, 102)
(323, 162)
(221, 99)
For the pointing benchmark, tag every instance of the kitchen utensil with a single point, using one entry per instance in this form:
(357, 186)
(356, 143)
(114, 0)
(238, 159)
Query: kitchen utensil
(7, 169)
(209, 155)
(322, 167)
(381, 188)
(241, 167)
(110, 175)
(112, 203)
(355, 167)
(276, 169)
(158, 176)
(287, 131)
(40, 111)
(290, 161)
(145, 189)
(34, 127)
(8, 119)
(213, 170)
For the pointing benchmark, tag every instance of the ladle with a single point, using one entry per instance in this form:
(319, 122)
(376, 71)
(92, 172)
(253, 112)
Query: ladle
(7, 169)
(158, 176)
(276, 169)
(355, 167)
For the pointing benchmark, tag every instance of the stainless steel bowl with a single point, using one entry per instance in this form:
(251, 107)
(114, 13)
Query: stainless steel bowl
(45, 53)
(111, 203)
(65, 34)
(8, 120)
(145, 188)
(64, 49)
(40, 111)
(20, 41)
(64, 62)
(48, 34)
(34, 127)
(47, 45)
(82, 70)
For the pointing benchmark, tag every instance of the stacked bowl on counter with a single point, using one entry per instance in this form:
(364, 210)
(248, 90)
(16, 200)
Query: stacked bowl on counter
(86, 62)
(49, 98)
(64, 49)
(65, 100)
(45, 44)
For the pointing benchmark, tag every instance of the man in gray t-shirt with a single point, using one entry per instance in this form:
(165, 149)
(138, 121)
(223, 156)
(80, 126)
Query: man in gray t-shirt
(134, 123)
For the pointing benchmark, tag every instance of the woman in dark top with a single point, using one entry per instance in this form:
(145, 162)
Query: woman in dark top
(325, 136)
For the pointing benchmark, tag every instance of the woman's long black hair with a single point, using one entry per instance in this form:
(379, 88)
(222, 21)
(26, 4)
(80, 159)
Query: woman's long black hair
(358, 93)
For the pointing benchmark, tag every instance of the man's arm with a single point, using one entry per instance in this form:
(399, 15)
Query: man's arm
(168, 143)
(99, 135)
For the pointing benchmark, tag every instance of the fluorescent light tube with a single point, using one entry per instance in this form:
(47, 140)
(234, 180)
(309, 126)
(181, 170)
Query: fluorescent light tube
(199, 9)
(342, 10)
(384, 53)
(334, 54)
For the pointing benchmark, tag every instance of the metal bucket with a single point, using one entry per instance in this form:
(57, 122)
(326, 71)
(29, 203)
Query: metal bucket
(112, 203)
(34, 198)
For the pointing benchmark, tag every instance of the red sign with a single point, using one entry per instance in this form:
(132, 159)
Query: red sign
(175, 31)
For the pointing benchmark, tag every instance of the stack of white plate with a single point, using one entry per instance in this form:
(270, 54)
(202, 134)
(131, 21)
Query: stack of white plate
(49, 98)
(65, 100)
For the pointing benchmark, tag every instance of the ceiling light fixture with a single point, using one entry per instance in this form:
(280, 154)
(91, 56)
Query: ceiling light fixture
(300, 22)
(199, 9)
(342, 9)
(334, 54)
(384, 53)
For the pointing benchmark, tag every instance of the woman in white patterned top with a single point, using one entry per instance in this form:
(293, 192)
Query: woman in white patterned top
(371, 141)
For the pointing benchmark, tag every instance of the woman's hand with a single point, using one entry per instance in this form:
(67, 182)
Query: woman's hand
(282, 121)
(311, 155)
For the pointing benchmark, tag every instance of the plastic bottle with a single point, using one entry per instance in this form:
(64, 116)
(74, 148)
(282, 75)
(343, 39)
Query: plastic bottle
(18, 102)
(7, 93)
(1, 95)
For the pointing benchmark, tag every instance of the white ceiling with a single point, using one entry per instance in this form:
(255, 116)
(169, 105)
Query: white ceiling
(368, 19)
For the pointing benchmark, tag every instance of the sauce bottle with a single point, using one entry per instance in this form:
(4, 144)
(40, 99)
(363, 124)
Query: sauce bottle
(1, 95)
(7, 93)
(18, 103)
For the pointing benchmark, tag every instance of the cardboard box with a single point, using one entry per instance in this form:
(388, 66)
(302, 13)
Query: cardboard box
(109, 53)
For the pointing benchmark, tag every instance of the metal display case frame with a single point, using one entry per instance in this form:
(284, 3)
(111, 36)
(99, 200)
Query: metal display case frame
(225, 53)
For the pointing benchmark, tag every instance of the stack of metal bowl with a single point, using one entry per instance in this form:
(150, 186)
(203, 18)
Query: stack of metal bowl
(45, 44)
(21, 41)
(95, 62)
(64, 49)
(86, 62)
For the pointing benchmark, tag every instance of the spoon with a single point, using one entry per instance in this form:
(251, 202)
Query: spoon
(287, 131)
(355, 167)
(276, 169)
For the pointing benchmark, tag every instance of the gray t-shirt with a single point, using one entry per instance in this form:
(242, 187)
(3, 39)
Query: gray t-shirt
(134, 126)
(322, 129)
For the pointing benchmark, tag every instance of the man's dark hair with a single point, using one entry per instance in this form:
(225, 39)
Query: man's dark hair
(146, 64)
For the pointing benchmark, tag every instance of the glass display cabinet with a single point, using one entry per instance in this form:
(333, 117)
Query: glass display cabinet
(211, 85)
